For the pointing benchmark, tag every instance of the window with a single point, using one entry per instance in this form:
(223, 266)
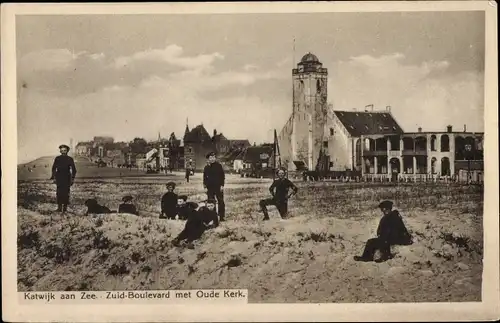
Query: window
(393, 128)
(366, 127)
(325, 144)
(332, 132)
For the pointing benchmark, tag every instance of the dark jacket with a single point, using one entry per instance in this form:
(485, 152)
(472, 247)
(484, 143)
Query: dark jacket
(63, 169)
(393, 230)
(127, 208)
(206, 216)
(197, 223)
(187, 210)
(169, 202)
(213, 175)
(280, 188)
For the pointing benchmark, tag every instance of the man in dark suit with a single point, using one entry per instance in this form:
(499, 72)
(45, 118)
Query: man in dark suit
(391, 231)
(213, 182)
(280, 194)
(63, 173)
(127, 206)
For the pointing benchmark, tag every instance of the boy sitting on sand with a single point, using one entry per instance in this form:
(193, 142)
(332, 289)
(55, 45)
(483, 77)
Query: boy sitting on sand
(169, 202)
(184, 208)
(127, 206)
(391, 231)
(198, 222)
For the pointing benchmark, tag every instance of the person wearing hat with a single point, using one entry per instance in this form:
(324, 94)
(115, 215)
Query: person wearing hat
(391, 231)
(63, 173)
(280, 195)
(185, 209)
(197, 223)
(169, 202)
(213, 182)
(127, 206)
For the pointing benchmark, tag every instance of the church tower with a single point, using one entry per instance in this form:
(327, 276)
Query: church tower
(309, 110)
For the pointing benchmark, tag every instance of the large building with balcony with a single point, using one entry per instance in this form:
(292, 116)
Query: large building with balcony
(435, 154)
(369, 143)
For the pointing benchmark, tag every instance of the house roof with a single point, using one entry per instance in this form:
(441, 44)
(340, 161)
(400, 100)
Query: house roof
(197, 134)
(239, 142)
(253, 154)
(219, 137)
(368, 123)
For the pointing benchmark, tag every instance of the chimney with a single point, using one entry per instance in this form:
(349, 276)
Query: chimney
(419, 129)
(449, 128)
(465, 128)
(388, 108)
(215, 132)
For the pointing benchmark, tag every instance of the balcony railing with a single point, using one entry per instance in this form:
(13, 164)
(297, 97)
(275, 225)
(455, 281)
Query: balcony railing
(367, 153)
(415, 152)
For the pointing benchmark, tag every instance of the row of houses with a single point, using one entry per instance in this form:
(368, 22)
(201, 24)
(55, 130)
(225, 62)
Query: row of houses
(169, 153)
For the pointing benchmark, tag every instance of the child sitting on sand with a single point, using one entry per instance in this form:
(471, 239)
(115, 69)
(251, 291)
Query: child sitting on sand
(184, 208)
(127, 206)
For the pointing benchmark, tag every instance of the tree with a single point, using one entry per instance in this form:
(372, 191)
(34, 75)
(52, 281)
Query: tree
(138, 146)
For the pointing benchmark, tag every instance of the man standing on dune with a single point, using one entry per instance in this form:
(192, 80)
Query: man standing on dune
(213, 182)
(63, 173)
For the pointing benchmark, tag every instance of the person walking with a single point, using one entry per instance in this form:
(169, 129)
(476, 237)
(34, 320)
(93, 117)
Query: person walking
(213, 183)
(63, 174)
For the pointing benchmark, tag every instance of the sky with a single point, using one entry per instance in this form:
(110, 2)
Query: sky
(127, 76)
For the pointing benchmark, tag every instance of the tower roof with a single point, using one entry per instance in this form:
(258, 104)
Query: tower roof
(309, 58)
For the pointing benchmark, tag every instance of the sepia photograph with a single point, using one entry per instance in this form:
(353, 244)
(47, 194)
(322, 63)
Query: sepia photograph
(300, 157)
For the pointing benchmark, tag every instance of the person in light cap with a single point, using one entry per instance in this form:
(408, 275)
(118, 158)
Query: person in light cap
(213, 182)
(127, 206)
(63, 173)
(391, 231)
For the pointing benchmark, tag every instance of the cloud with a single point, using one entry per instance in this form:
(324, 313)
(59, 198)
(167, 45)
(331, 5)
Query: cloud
(171, 54)
(427, 94)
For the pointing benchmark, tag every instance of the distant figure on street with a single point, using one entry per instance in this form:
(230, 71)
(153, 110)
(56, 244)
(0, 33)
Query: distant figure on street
(280, 194)
(93, 207)
(63, 173)
(213, 182)
(169, 202)
(185, 209)
(188, 173)
(198, 222)
(391, 231)
(127, 206)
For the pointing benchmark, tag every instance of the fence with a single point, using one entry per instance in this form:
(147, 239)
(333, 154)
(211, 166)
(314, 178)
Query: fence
(474, 177)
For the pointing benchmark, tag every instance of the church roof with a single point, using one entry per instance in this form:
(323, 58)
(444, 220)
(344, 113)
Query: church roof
(368, 123)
